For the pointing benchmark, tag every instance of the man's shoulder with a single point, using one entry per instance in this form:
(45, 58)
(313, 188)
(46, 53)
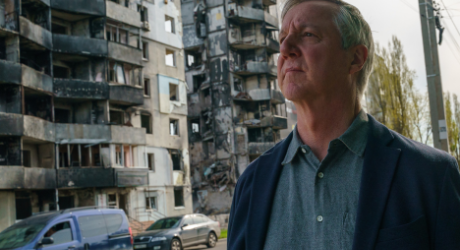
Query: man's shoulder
(421, 156)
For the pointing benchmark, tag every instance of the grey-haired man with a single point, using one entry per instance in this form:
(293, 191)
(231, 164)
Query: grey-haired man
(341, 180)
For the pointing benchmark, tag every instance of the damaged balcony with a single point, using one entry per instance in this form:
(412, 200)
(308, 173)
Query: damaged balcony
(124, 53)
(20, 74)
(26, 125)
(35, 33)
(86, 177)
(246, 14)
(10, 72)
(258, 148)
(126, 94)
(190, 39)
(80, 89)
(123, 14)
(80, 45)
(9, 24)
(128, 135)
(90, 7)
(252, 67)
(274, 121)
(273, 95)
(13, 177)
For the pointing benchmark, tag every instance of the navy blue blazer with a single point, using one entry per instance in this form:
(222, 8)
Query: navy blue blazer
(409, 197)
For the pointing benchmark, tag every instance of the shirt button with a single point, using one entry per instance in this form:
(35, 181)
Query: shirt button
(319, 218)
(304, 151)
(320, 175)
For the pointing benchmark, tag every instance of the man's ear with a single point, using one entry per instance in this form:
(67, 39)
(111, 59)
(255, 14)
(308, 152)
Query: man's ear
(360, 53)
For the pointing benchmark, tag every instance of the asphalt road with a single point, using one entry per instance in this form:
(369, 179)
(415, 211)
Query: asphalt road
(221, 245)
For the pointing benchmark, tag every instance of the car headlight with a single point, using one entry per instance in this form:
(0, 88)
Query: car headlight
(157, 239)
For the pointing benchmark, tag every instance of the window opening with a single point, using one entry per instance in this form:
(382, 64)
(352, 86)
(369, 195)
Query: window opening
(151, 161)
(147, 87)
(178, 196)
(173, 127)
(173, 95)
(61, 233)
(146, 122)
(145, 50)
(176, 159)
(170, 60)
(151, 203)
(169, 24)
(26, 157)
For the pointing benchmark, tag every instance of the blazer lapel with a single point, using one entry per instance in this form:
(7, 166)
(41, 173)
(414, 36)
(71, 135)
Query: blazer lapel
(380, 163)
(264, 184)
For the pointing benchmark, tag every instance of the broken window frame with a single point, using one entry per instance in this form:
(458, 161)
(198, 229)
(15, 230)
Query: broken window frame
(179, 197)
(146, 87)
(117, 73)
(174, 131)
(143, 12)
(170, 56)
(150, 159)
(149, 127)
(145, 50)
(175, 87)
(176, 160)
(121, 153)
(169, 24)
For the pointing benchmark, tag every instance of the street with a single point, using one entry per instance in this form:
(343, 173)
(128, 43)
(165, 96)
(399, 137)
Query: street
(221, 245)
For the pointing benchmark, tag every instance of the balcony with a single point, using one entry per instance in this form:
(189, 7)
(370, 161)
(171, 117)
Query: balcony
(128, 135)
(10, 72)
(24, 125)
(269, 2)
(80, 89)
(35, 33)
(27, 178)
(252, 68)
(131, 177)
(190, 39)
(75, 177)
(247, 14)
(255, 41)
(82, 131)
(275, 96)
(126, 94)
(125, 15)
(124, 53)
(258, 148)
(36, 80)
(80, 45)
(8, 24)
(89, 7)
(274, 121)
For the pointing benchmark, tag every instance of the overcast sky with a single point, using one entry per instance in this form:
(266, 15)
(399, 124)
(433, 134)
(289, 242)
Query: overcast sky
(401, 18)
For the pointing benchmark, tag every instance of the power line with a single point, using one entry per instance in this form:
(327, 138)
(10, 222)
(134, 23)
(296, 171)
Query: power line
(410, 6)
(452, 20)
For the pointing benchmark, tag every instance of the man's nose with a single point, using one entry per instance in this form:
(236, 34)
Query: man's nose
(289, 47)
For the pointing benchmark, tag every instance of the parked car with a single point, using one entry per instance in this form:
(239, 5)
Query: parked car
(70, 229)
(174, 233)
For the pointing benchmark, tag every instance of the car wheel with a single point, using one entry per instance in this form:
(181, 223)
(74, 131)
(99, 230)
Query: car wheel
(212, 240)
(176, 245)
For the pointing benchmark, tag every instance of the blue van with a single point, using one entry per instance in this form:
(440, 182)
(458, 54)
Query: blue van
(70, 229)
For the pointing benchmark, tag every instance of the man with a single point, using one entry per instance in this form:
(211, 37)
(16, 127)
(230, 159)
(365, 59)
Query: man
(341, 180)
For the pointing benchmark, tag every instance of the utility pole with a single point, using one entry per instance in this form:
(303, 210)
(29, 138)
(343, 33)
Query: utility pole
(433, 75)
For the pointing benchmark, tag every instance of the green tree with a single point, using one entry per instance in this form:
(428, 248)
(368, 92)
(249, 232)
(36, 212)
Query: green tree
(391, 96)
(452, 108)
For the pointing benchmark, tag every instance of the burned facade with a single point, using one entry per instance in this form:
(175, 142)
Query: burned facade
(235, 108)
(82, 121)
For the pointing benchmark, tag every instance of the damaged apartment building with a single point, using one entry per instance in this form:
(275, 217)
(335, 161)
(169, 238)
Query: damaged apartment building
(235, 108)
(93, 108)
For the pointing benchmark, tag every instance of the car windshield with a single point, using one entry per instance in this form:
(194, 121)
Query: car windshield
(19, 235)
(165, 223)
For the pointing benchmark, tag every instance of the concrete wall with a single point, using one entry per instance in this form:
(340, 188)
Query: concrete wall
(176, 211)
(121, 13)
(7, 209)
(35, 33)
(156, 15)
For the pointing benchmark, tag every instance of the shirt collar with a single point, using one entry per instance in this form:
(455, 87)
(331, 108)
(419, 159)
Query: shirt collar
(354, 138)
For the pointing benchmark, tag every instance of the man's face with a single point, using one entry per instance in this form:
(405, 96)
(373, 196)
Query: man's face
(312, 63)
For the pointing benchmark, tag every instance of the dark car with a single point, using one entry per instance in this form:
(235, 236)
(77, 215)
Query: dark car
(70, 229)
(174, 233)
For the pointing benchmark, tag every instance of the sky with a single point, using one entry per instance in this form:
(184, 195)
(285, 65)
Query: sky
(400, 18)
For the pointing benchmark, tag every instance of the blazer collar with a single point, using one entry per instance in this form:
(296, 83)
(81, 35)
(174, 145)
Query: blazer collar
(380, 162)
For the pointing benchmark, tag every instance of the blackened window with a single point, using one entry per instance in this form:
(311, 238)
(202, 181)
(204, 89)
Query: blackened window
(176, 159)
(178, 196)
(146, 122)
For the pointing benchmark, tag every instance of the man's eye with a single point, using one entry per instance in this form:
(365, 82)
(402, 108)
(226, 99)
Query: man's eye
(308, 34)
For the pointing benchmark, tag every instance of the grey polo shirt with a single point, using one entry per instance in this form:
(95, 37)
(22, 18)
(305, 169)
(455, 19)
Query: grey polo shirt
(316, 202)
